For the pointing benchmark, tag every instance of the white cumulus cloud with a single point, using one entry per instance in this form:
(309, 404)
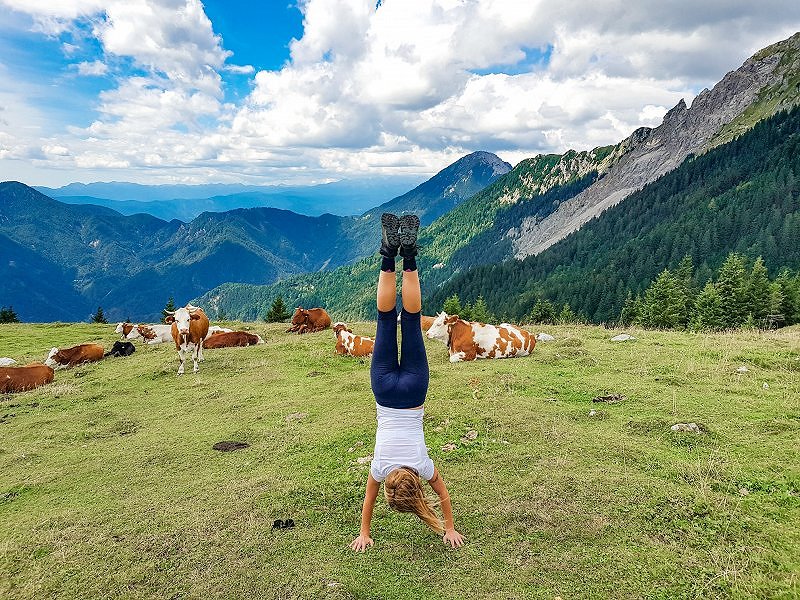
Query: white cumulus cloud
(402, 87)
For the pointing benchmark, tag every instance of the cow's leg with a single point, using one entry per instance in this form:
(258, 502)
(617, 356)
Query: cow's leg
(200, 356)
(195, 357)
(182, 357)
(457, 357)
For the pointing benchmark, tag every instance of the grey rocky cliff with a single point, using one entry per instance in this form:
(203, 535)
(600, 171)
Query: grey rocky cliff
(650, 153)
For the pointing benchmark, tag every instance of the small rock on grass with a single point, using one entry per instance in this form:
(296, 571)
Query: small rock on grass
(544, 337)
(449, 447)
(744, 491)
(687, 427)
(622, 337)
(742, 369)
(362, 460)
(296, 417)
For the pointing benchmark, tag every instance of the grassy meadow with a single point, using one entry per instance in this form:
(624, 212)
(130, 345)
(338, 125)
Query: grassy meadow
(110, 488)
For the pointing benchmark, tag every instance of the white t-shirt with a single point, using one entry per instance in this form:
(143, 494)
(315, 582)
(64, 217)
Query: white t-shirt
(399, 442)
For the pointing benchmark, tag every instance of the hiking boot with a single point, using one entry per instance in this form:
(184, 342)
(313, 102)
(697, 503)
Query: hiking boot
(390, 237)
(409, 227)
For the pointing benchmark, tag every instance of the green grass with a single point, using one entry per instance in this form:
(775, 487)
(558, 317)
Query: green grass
(109, 487)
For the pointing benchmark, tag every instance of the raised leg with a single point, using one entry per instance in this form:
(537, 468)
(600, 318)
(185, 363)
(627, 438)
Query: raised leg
(387, 290)
(410, 292)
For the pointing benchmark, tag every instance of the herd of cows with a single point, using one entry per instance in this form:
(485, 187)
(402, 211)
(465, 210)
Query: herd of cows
(189, 329)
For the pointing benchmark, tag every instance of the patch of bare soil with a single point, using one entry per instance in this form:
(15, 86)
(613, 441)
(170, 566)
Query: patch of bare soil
(230, 446)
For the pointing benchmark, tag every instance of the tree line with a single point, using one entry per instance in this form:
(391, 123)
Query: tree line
(741, 294)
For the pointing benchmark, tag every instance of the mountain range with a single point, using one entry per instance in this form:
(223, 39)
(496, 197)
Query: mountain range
(581, 227)
(185, 202)
(65, 260)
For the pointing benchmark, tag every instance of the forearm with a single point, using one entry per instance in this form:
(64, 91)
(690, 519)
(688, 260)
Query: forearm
(369, 504)
(438, 485)
(447, 512)
(366, 514)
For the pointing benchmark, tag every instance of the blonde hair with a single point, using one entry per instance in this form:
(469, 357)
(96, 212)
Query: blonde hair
(404, 493)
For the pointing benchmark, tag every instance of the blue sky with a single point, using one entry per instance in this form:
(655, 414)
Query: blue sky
(307, 91)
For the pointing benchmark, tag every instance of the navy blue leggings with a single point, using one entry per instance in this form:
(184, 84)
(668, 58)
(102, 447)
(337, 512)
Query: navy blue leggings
(402, 384)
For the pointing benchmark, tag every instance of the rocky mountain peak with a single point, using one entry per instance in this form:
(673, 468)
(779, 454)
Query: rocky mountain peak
(766, 83)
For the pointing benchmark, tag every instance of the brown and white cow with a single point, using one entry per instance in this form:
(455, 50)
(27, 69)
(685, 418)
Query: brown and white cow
(189, 329)
(19, 379)
(468, 341)
(214, 330)
(349, 344)
(69, 357)
(151, 334)
(231, 339)
(124, 328)
(309, 320)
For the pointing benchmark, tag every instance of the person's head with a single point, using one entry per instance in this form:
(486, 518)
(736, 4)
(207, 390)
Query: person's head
(404, 493)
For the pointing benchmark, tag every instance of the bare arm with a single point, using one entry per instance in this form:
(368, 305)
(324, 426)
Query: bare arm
(451, 536)
(363, 540)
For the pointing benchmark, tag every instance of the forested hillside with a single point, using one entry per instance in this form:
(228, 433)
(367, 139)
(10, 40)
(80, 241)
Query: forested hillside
(740, 197)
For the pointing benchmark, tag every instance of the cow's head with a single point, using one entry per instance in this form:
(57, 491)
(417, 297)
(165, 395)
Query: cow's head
(52, 358)
(182, 318)
(337, 327)
(300, 316)
(440, 329)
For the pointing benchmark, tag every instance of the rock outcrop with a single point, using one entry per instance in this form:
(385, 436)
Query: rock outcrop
(763, 85)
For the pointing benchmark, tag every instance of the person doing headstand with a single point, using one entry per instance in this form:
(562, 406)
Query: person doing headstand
(401, 459)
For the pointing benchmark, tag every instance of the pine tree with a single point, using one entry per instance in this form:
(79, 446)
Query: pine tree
(790, 297)
(566, 315)
(732, 287)
(684, 278)
(758, 292)
(480, 311)
(708, 312)
(452, 306)
(629, 312)
(542, 312)
(99, 317)
(8, 315)
(168, 307)
(277, 312)
(664, 304)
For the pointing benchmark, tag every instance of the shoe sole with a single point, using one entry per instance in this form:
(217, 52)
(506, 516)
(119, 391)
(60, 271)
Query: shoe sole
(409, 228)
(391, 224)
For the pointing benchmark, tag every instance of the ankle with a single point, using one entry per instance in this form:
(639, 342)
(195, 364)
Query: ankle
(387, 264)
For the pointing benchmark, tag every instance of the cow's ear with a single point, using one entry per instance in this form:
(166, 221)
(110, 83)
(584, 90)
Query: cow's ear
(451, 319)
(194, 317)
(169, 319)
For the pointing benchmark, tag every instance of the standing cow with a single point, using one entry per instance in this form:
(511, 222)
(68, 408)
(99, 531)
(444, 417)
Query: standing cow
(189, 329)
(348, 343)
(468, 341)
(309, 320)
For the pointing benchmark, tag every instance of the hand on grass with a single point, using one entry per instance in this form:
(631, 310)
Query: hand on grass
(361, 542)
(455, 539)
